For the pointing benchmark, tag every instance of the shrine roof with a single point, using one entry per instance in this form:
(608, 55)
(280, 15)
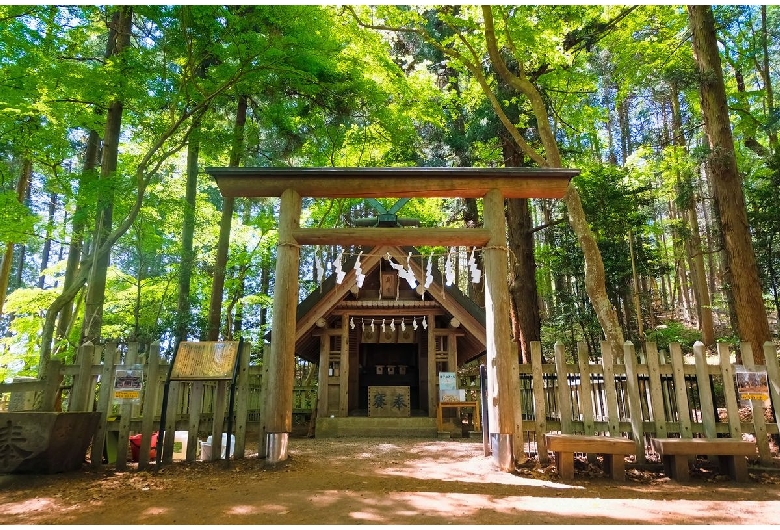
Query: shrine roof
(324, 299)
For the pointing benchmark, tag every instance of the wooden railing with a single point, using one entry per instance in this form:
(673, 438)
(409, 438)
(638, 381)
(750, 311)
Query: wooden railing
(639, 395)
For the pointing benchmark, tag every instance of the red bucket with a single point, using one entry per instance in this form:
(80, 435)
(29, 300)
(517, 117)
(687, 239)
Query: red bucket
(135, 447)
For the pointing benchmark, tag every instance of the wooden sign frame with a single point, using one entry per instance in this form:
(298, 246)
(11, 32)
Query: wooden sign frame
(205, 361)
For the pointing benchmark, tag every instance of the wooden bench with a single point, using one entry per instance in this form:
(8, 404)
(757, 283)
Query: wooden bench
(732, 455)
(613, 450)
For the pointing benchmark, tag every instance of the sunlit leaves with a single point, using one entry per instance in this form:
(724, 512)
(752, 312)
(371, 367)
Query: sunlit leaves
(16, 221)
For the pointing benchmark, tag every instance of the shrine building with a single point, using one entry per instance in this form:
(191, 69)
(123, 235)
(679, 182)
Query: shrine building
(380, 347)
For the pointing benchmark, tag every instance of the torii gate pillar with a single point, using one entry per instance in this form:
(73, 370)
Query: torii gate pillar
(278, 385)
(503, 386)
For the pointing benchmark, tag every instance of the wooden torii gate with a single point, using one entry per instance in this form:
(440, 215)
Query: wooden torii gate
(493, 185)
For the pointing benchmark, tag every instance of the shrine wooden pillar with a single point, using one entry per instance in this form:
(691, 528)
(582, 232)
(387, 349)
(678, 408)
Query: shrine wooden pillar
(281, 358)
(503, 391)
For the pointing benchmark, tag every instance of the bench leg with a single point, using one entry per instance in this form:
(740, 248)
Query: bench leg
(615, 465)
(735, 466)
(676, 467)
(565, 463)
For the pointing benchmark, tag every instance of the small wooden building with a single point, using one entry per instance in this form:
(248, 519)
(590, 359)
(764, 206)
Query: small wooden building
(385, 339)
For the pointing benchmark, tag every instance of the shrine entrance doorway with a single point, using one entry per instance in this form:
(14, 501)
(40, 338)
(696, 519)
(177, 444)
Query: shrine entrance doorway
(390, 364)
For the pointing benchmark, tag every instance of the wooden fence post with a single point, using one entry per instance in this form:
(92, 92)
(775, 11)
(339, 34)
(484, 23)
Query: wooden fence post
(174, 394)
(656, 392)
(93, 378)
(196, 407)
(81, 382)
(125, 411)
(220, 404)
(607, 362)
(680, 392)
(757, 406)
(666, 387)
(242, 400)
(564, 390)
(104, 403)
(586, 395)
(634, 405)
(52, 389)
(705, 392)
(149, 408)
(773, 379)
(586, 391)
(732, 409)
(262, 450)
(540, 410)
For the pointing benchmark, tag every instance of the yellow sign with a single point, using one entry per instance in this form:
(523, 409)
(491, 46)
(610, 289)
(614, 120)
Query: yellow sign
(752, 383)
(205, 361)
(745, 395)
(128, 383)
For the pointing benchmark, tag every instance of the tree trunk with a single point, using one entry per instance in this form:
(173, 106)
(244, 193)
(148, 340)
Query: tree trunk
(5, 269)
(695, 253)
(47, 243)
(526, 320)
(712, 264)
(236, 154)
(187, 236)
(625, 130)
(475, 292)
(265, 288)
(767, 78)
(752, 322)
(22, 259)
(702, 292)
(238, 320)
(78, 225)
(635, 281)
(524, 302)
(118, 40)
(595, 278)
(555, 282)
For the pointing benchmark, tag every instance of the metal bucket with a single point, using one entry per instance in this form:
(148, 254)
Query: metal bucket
(276, 447)
(502, 448)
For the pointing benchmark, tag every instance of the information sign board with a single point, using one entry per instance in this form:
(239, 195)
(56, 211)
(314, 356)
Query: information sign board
(205, 361)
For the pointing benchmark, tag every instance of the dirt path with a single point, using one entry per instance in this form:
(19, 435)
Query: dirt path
(371, 481)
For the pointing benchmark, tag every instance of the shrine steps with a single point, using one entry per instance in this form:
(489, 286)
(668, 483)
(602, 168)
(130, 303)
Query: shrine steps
(365, 427)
